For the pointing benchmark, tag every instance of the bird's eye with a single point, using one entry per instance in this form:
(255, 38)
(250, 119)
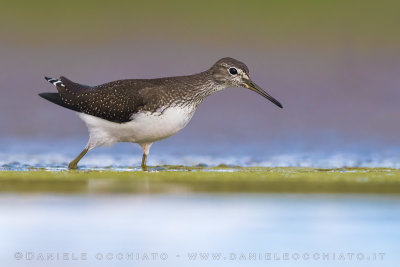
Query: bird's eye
(233, 71)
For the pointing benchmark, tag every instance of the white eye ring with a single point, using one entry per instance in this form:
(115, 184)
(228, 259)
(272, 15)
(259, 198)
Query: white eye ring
(233, 71)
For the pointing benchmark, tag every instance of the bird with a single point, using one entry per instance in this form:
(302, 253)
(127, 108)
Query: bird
(144, 111)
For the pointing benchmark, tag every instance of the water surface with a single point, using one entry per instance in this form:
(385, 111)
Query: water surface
(106, 227)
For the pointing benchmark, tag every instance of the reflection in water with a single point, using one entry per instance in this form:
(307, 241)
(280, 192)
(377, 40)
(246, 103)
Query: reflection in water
(188, 223)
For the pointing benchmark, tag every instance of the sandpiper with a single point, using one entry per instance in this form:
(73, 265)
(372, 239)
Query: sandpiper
(144, 111)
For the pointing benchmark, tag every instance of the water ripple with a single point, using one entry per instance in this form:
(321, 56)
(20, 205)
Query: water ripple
(129, 162)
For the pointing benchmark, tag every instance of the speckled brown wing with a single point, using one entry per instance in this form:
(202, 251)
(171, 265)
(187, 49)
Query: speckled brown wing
(115, 101)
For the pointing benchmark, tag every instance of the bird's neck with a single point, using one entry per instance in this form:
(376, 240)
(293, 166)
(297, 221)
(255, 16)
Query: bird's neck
(203, 84)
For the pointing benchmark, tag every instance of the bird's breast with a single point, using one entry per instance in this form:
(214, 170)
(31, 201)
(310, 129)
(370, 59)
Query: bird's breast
(154, 126)
(143, 128)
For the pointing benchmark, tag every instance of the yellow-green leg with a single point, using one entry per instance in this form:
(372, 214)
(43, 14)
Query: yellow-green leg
(146, 150)
(73, 165)
(144, 158)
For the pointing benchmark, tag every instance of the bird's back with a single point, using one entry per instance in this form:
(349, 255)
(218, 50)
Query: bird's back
(118, 101)
(114, 101)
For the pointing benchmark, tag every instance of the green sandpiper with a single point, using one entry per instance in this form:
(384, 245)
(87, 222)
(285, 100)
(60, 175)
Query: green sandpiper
(144, 111)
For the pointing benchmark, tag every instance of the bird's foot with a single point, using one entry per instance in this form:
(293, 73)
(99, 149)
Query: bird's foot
(72, 165)
(144, 168)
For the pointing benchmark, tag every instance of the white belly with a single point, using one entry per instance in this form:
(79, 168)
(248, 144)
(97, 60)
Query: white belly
(144, 127)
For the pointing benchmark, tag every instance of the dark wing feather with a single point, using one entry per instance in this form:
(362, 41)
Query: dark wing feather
(73, 86)
(115, 101)
(55, 98)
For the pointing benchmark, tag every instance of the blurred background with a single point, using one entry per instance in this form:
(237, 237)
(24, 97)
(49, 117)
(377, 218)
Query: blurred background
(334, 65)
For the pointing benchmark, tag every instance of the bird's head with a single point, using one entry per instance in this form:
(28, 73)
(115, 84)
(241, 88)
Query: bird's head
(233, 73)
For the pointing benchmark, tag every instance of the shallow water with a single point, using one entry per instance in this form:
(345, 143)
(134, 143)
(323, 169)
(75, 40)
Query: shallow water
(55, 155)
(125, 222)
(113, 161)
(104, 230)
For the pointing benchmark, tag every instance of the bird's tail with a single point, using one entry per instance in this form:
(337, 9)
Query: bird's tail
(55, 97)
(55, 82)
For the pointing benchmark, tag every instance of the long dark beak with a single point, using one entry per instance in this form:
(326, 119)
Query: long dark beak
(254, 87)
